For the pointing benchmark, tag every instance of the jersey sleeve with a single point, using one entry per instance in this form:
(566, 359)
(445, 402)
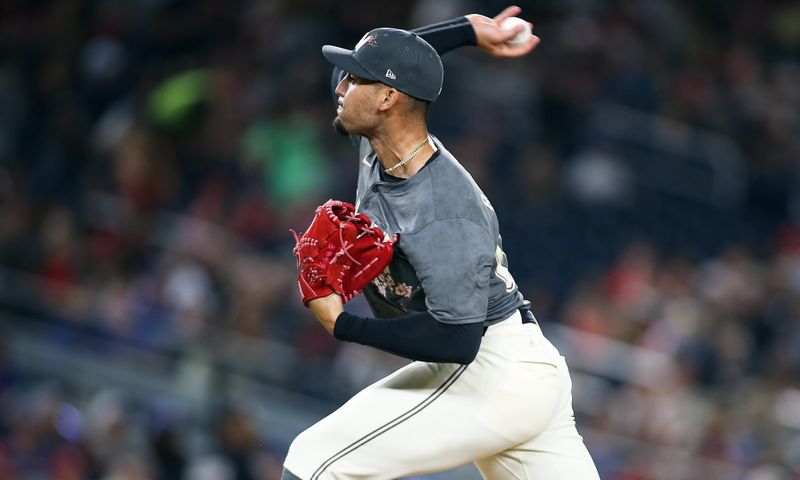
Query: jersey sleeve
(453, 260)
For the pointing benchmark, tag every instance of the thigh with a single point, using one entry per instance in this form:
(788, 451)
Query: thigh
(564, 456)
(404, 424)
(430, 417)
(518, 464)
(423, 418)
(557, 452)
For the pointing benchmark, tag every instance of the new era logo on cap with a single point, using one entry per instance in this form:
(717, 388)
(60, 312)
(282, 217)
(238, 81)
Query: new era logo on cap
(390, 74)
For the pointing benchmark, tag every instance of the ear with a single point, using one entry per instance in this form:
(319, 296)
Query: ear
(387, 98)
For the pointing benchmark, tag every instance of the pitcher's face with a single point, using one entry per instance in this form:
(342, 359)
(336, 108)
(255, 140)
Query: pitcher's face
(357, 113)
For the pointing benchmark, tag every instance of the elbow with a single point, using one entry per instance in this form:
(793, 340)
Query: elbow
(466, 359)
(467, 355)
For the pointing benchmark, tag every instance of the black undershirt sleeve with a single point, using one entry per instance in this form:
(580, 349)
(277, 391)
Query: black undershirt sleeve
(448, 35)
(418, 336)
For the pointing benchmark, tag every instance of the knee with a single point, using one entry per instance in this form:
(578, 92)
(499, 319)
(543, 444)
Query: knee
(287, 475)
(309, 457)
(301, 459)
(295, 451)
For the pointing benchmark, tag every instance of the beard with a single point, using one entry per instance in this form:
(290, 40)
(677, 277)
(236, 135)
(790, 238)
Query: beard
(339, 127)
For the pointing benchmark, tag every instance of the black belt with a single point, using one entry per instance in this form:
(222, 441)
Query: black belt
(526, 314)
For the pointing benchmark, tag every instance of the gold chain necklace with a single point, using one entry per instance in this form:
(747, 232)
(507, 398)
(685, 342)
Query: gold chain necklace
(408, 157)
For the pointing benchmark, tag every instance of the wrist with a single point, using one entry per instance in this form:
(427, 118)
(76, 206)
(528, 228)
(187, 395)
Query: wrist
(327, 309)
(328, 320)
(481, 28)
(479, 22)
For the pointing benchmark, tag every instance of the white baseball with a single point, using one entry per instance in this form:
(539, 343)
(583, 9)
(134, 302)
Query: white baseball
(520, 38)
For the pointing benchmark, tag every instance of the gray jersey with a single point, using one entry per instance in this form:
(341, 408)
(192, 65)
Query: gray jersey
(449, 258)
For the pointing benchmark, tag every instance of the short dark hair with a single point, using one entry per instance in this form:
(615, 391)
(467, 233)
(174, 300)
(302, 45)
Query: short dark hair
(417, 105)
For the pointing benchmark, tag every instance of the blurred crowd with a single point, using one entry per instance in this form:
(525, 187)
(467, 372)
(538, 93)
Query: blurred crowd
(153, 156)
(731, 394)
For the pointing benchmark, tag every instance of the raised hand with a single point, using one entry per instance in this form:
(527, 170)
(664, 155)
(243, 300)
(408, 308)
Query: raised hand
(492, 39)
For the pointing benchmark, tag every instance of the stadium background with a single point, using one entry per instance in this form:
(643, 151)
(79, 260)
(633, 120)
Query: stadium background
(153, 155)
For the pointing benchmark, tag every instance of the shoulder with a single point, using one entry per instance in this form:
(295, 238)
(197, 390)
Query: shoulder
(455, 194)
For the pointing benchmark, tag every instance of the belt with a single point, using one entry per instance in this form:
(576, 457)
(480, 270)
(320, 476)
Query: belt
(525, 313)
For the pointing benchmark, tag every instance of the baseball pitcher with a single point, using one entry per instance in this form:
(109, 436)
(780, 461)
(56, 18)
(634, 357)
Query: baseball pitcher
(422, 242)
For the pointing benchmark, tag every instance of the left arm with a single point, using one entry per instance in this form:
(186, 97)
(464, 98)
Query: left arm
(417, 336)
(455, 281)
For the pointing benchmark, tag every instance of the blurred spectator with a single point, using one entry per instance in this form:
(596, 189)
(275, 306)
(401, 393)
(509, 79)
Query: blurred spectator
(599, 177)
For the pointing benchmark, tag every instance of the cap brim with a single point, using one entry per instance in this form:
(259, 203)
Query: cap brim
(343, 58)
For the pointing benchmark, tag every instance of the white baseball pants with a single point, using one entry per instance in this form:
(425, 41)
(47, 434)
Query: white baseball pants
(509, 412)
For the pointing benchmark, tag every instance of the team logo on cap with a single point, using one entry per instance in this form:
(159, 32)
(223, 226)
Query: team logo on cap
(371, 40)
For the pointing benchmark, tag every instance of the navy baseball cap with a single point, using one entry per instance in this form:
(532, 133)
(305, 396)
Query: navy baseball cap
(398, 58)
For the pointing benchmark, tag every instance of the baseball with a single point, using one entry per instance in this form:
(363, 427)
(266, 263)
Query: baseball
(522, 37)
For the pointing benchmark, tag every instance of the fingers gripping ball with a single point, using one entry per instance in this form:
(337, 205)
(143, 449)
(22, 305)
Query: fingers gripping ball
(339, 252)
(521, 37)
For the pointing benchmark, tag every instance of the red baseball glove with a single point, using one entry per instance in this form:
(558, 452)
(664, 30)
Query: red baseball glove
(340, 252)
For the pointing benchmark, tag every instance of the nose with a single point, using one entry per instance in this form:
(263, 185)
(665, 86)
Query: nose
(341, 88)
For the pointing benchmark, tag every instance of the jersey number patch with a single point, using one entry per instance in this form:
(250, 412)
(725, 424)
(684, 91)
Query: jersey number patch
(502, 270)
